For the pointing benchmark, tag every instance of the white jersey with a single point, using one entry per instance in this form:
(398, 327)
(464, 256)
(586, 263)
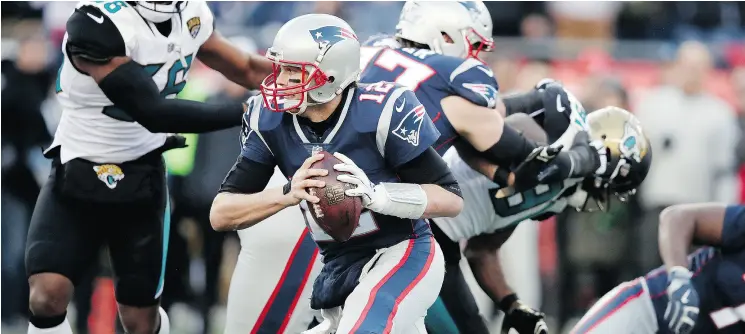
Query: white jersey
(484, 211)
(84, 130)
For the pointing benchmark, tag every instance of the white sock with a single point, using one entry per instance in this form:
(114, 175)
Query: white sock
(63, 328)
(165, 324)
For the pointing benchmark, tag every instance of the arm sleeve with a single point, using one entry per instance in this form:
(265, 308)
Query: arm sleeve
(132, 89)
(733, 229)
(475, 82)
(411, 130)
(247, 177)
(91, 35)
(429, 168)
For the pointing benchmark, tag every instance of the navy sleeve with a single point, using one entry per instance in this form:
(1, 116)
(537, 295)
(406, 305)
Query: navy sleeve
(411, 130)
(253, 146)
(733, 229)
(92, 36)
(475, 82)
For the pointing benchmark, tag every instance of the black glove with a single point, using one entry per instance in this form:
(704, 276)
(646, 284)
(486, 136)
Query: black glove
(548, 164)
(523, 318)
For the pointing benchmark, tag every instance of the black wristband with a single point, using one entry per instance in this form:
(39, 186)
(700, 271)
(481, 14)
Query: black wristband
(501, 176)
(506, 303)
(286, 188)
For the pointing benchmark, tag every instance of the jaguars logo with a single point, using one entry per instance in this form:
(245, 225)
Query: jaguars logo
(109, 174)
(194, 24)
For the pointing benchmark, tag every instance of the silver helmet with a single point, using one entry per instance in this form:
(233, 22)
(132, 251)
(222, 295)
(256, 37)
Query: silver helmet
(467, 24)
(324, 49)
(159, 11)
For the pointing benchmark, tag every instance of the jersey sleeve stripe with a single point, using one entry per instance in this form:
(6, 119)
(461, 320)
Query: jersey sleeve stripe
(463, 67)
(254, 121)
(384, 123)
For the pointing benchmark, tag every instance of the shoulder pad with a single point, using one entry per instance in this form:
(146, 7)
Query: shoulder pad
(472, 80)
(92, 35)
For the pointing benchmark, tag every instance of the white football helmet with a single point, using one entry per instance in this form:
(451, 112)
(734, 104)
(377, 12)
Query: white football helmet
(159, 11)
(326, 51)
(467, 23)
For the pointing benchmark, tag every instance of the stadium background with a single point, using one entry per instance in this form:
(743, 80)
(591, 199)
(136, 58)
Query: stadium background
(680, 66)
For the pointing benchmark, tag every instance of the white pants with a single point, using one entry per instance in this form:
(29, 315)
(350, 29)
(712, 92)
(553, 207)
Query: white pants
(627, 309)
(393, 296)
(271, 285)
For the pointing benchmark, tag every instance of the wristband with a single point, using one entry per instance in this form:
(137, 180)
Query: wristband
(286, 188)
(506, 303)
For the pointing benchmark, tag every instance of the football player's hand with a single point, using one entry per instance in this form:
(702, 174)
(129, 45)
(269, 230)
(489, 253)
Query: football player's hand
(302, 180)
(548, 164)
(525, 320)
(683, 305)
(362, 186)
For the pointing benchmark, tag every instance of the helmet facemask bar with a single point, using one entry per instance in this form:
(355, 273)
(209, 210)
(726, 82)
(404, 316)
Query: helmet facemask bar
(475, 43)
(276, 96)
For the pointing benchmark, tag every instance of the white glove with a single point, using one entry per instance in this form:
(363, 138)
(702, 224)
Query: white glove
(404, 200)
(357, 177)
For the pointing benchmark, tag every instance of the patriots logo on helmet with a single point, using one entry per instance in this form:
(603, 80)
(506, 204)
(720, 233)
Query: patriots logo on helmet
(410, 126)
(331, 35)
(472, 9)
(488, 92)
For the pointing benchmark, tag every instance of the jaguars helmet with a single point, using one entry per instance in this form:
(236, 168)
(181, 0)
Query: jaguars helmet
(158, 11)
(629, 155)
(326, 51)
(467, 23)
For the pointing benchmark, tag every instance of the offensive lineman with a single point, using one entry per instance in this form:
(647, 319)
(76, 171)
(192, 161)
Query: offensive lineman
(389, 272)
(124, 63)
(701, 293)
(436, 53)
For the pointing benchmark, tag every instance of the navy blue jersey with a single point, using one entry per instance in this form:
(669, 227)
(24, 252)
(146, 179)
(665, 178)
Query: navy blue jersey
(719, 279)
(380, 127)
(432, 77)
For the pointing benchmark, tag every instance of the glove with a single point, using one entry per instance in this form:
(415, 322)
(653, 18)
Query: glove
(547, 164)
(357, 177)
(682, 308)
(524, 319)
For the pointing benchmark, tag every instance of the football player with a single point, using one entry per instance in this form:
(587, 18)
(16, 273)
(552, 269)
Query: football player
(436, 53)
(390, 271)
(124, 62)
(491, 212)
(700, 293)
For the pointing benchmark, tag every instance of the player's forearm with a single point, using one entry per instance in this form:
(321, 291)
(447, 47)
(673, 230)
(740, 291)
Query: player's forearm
(232, 211)
(675, 236)
(132, 90)
(441, 202)
(681, 224)
(487, 269)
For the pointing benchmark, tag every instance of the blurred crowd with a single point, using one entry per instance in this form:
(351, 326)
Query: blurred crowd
(679, 66)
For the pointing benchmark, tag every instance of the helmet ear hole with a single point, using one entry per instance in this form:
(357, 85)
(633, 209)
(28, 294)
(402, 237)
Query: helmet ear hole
(331, 79)
(603, 137)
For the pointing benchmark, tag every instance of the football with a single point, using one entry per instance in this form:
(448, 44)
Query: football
(337, 214)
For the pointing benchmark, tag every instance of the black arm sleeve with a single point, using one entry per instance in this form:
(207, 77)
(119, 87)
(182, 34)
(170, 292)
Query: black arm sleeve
(91, 35)
(131, 89)
(525, 103)
(429, 168)
(247, 177)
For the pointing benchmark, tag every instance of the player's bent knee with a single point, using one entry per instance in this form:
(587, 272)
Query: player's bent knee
(49, 294)
(139, 320)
